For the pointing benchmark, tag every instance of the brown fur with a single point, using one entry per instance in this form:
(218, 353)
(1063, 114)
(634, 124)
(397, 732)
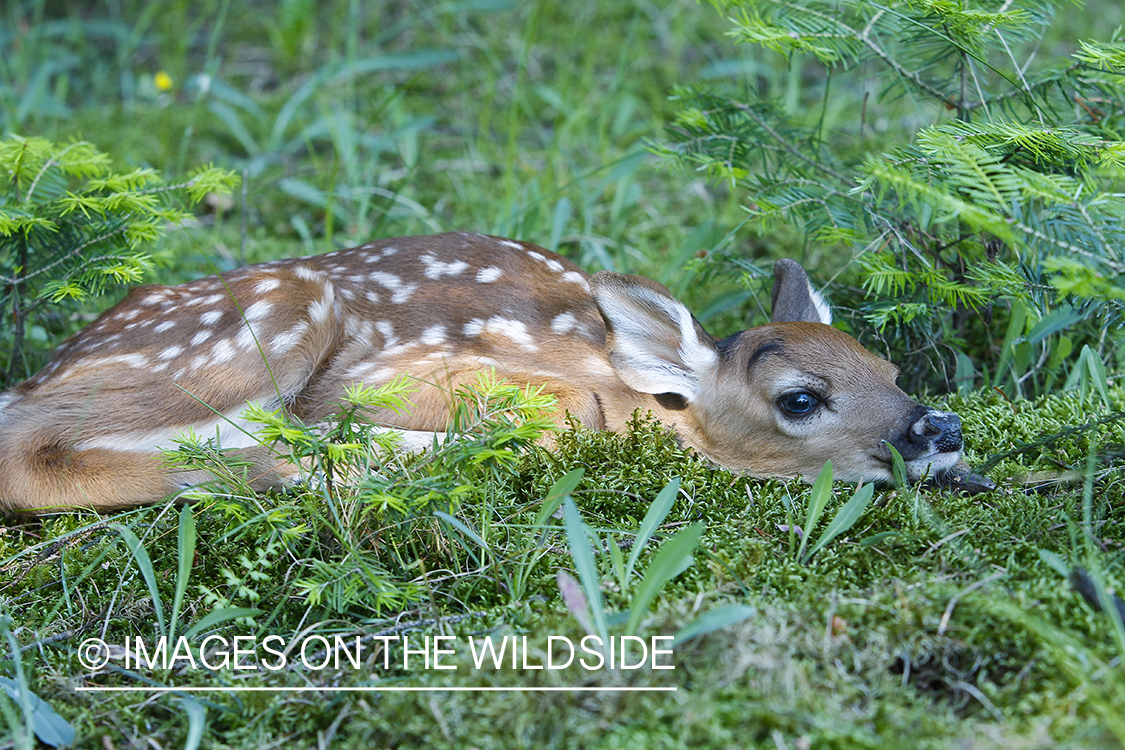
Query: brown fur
(86, 431)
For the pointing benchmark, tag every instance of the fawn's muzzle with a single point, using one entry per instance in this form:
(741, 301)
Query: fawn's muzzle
(929, 433)
(939, 429)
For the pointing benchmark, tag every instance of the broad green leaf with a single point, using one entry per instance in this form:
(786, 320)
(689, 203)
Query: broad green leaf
(716, 619)
(1053, 322)
(197, 722)
(49, 727)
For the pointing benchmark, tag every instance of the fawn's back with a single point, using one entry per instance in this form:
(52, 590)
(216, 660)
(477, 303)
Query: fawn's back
(775, 400)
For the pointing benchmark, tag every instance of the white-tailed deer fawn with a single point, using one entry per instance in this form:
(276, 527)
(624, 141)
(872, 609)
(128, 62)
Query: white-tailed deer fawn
(778, 400)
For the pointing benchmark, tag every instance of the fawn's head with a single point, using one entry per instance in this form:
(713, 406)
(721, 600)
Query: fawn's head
(777, 400)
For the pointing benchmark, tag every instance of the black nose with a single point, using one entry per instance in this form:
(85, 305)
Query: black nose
(942, 429)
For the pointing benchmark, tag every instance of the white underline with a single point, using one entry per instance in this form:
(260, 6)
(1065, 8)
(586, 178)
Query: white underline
(372, 689)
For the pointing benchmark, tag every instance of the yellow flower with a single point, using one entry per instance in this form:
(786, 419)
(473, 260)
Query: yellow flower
(162, 81)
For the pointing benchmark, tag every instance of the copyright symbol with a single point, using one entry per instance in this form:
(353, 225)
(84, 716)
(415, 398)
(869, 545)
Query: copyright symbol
(93, 654)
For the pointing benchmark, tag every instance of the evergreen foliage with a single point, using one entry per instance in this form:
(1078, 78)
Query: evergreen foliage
(71, 227)
(977, 173)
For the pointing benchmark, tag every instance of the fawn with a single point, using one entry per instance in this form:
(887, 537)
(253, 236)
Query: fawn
(777, 400)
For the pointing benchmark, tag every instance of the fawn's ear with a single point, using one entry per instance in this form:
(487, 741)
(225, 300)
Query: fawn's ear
(794, 299)
(653, 342)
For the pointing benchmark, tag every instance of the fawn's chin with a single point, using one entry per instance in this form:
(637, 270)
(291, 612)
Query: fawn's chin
(936, 464)
(938, 469)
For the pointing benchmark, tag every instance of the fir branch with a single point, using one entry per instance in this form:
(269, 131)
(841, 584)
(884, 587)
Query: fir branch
(786, 145)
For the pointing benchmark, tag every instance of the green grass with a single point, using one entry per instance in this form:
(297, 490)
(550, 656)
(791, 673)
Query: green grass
(934, 621)
(933, 617)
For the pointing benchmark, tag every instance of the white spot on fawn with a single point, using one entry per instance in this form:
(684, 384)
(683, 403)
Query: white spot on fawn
(376, 257)
(133, 360)
(387, 331)
(209, 318)
(394, 351)
(489, 275)
(308, 274)
(213, 299)
(515, 330)
(433, 336)
(222, 351)
(267, 285)
(435, 268)
(369, 372)
(200, 337)
(321, 310)
(552, 264)
(165, 326)
(576, 278)
(258, 310)
(285, 341)
(170, 352)
(400, 292)
(564, 323)
(389, 280)
(245, 339)
(511, 244)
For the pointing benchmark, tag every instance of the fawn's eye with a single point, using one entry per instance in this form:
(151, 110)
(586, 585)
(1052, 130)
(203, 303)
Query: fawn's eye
(798, 403)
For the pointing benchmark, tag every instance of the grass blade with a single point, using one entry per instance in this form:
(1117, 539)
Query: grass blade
(818, 499)
(1055, 562)
(144, 564)
(559, 491)
(219, 616)
(585, 566)
(185, 553)
(898, 468)
(559, 219)
(653, 518)
(844, 519)
(575, 600)
(462, 527)
(673, 558)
